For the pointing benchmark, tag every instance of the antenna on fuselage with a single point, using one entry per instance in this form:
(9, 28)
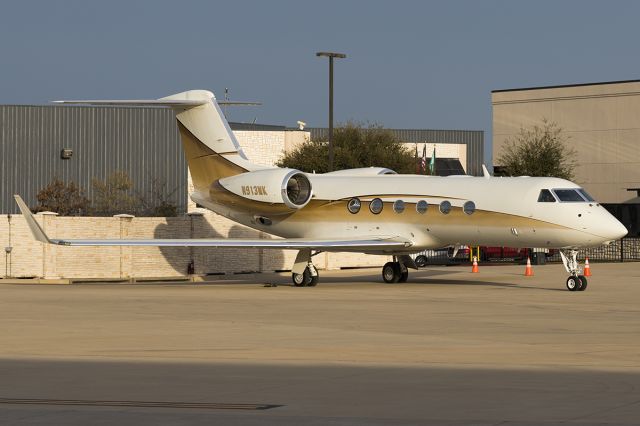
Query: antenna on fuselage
(485, 172)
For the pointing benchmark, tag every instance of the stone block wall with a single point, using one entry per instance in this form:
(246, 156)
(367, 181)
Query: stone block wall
(30, 258)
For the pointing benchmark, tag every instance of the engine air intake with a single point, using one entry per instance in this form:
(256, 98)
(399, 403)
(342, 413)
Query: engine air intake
(297, 190)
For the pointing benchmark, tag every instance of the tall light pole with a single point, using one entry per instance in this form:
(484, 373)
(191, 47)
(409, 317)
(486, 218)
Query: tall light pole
(331, 55)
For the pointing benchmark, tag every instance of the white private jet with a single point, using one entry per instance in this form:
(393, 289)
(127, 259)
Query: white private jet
(368, 210)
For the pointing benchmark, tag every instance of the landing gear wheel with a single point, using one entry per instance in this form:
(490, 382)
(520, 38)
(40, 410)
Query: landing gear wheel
(306, 279)
(403, 277)
(314, 279)
(573, 283)
(583, 282)
(421, 261)
(391, 272)
(303, 279)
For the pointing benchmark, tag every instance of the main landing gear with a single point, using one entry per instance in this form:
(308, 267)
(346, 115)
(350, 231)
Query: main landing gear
(576, 281)
(303, 273)
(397, 271)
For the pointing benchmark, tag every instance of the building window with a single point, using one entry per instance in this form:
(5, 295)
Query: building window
(354, 205)
(469, 207)
(445, 207)
(421, 207)
(398, 206)
(376, 206)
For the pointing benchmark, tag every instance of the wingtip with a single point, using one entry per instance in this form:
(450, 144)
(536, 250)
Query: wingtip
(35, 228)
(20, 202)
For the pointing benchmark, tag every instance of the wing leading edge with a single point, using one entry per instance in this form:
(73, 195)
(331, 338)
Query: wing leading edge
(368, 243)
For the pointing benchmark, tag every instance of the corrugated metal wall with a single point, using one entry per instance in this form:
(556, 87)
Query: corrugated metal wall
(474, 139)
(144, 142)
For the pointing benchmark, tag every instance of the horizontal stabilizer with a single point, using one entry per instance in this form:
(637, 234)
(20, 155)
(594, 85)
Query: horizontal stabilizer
(150, 102)
(184, 103)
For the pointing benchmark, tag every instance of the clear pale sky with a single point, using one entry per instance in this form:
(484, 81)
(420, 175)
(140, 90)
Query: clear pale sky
(410, 64)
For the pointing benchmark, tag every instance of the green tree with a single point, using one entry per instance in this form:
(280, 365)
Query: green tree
(66, 199)
(353, 147)
(540, 151)
(113, 195)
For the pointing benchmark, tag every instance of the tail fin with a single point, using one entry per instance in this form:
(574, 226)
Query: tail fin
(210, 147)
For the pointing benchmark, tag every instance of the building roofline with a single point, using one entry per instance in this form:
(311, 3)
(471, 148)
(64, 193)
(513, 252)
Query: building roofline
(409, 129)
(565, 85)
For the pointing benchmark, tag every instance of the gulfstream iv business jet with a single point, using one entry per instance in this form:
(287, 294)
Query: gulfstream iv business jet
(370, 210)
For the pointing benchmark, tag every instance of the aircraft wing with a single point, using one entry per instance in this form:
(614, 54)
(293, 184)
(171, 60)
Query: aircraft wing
(369, 243)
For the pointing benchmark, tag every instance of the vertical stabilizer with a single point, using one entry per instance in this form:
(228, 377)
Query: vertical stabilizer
(211, 149)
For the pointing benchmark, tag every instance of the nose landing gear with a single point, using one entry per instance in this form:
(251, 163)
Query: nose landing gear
(576, 281)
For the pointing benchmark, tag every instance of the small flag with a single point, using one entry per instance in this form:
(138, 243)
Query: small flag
(423, 160)
(432, 163)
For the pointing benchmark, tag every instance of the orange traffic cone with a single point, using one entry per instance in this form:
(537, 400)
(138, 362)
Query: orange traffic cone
(474, 268)
(528, 272)
(587, 268)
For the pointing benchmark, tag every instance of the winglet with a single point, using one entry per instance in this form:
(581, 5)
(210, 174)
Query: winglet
(35, 228)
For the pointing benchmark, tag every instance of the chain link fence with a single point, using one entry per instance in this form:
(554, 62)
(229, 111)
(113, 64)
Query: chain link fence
(624, 250)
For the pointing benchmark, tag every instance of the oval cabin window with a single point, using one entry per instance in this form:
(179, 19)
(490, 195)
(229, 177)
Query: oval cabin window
(354, 205)
(376, 206)
(469, 207)
(445, 207)
(421, 206)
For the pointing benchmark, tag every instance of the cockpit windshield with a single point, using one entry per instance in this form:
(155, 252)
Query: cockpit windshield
(546, 197)
(568, 195)
(586, 195)
(572, 195)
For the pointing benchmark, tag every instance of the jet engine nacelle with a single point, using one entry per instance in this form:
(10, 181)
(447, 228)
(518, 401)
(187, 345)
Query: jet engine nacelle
(274, 186)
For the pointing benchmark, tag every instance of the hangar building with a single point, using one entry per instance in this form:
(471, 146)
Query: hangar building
(602, 121)
(39, 143)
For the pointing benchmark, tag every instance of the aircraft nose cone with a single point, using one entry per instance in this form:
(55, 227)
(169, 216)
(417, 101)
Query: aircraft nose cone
(617, 230)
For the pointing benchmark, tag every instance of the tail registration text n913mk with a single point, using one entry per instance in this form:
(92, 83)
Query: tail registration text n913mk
(370, 210)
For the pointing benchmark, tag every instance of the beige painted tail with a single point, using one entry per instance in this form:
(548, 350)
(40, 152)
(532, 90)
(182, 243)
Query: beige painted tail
(210, 147)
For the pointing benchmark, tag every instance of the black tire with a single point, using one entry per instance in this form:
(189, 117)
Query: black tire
(391, 272)
(314, 279)
(301, 280)
(403, 277)
(573, 283)
(421, 261)
(583, 283)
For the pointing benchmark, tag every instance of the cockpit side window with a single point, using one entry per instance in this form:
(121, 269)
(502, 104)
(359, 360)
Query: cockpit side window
(586, 195)
(546, 197)
(568, 196)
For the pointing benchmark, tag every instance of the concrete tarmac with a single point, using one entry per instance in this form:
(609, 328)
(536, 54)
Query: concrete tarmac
(448, 347)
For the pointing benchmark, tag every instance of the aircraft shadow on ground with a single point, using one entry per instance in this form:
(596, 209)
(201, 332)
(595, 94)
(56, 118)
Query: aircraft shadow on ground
(432, 280)
(212, 260)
